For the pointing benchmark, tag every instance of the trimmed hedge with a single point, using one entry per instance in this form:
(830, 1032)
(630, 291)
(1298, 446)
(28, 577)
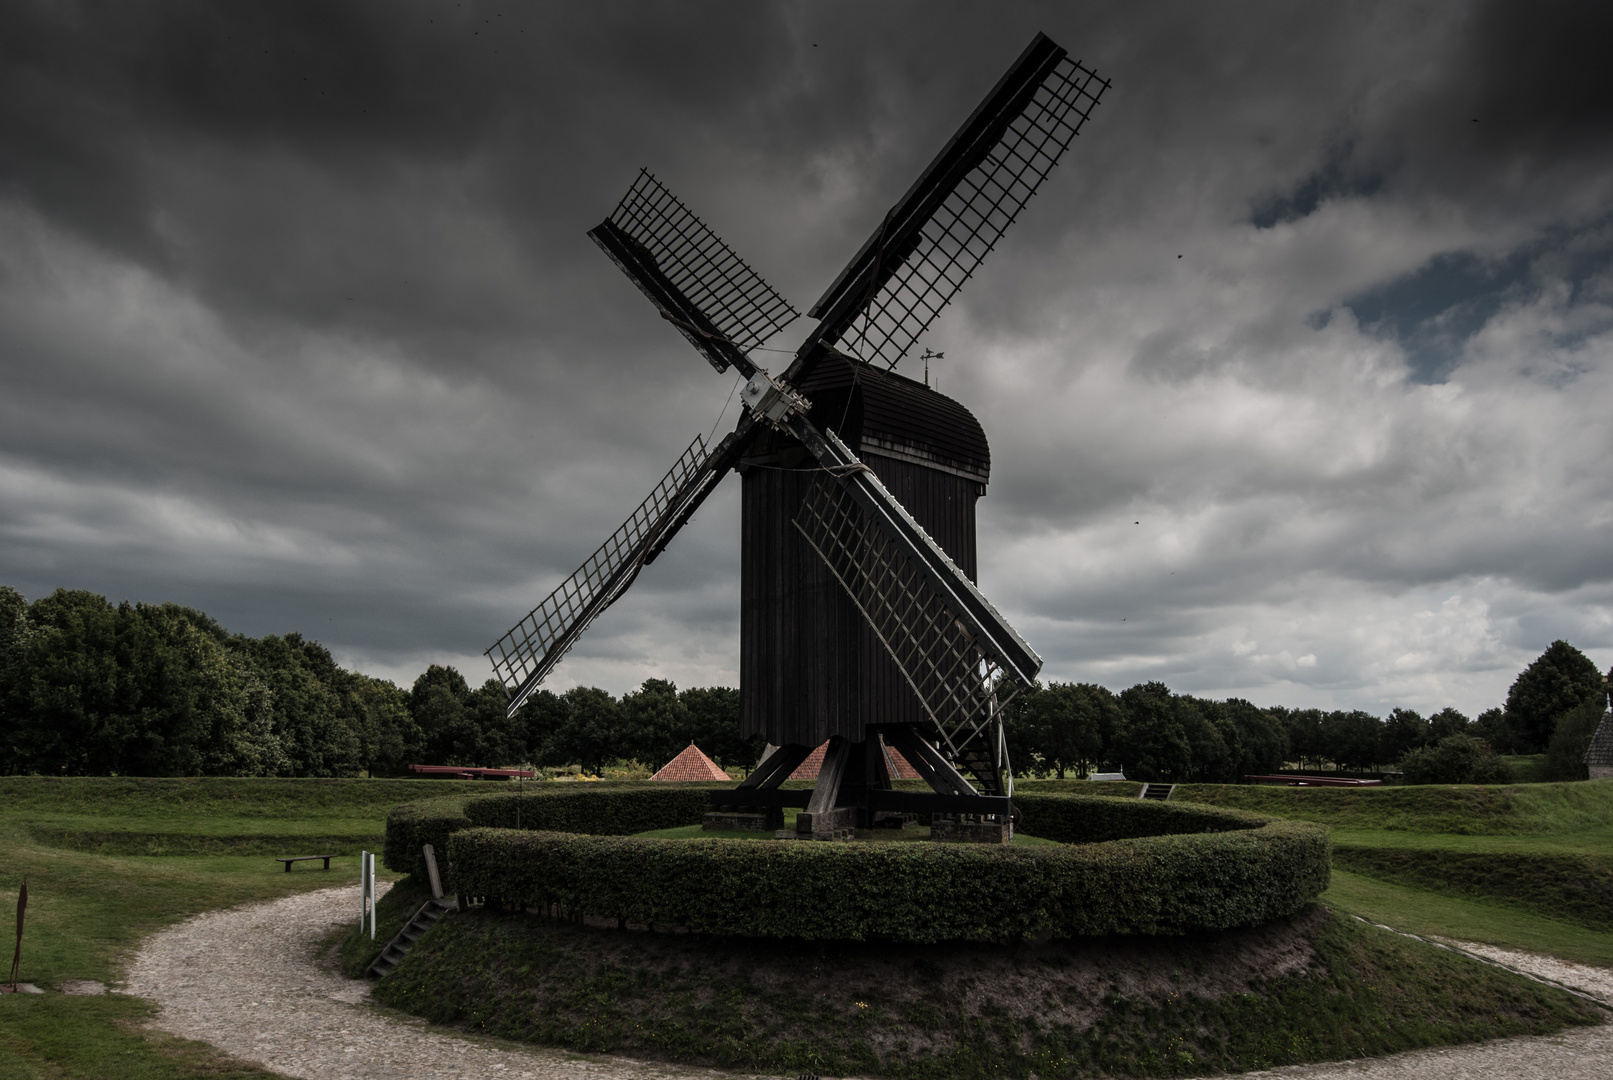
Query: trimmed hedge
(412, 825)
(1252, 871)
(596, 811)
(599, 809)
(1092, 819)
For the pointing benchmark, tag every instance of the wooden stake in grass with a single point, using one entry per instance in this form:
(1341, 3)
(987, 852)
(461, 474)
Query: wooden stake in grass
(16, 957)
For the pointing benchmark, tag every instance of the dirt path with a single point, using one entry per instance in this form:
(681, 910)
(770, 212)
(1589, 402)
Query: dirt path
(247, 980)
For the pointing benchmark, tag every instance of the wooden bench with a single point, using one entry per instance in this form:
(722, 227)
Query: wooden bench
(289, 859)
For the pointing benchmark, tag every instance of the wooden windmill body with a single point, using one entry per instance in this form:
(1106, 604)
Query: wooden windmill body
(861, 622)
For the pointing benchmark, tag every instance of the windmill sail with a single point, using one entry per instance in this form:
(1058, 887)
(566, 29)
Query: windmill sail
(697, 281)
(960, 656)
(935, 238)
(531, 649)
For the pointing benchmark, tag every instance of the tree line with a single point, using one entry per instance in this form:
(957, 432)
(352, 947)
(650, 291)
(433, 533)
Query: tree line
(90, 688)
(1553, 707)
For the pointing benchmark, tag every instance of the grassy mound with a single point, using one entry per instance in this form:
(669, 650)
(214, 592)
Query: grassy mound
(392, 912)
(147, 842)
(209, 815)
(1434, 808)
(1573, 888)
(1314, 988)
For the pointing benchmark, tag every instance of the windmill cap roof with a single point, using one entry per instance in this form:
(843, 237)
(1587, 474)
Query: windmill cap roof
(878, 411)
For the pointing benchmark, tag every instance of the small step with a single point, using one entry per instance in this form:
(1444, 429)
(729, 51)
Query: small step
(1161, 792)
(399, 946)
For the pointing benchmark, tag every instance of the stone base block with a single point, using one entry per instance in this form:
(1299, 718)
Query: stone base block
(950, 830)
(837, 824)
(758, 820)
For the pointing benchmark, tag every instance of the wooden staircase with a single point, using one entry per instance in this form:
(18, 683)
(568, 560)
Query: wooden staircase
(1161, 792)
(399, 946)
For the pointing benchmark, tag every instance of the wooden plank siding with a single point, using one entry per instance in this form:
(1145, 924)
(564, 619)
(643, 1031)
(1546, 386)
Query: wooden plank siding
(809, 665)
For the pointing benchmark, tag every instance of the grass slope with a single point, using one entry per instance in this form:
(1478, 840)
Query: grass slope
(88, 909)
(1437, 913)
(1463, 810)
(1573, 888)
(1525, 867)
(1321, 988)
(209, 815)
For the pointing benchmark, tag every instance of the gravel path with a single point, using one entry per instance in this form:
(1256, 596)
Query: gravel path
(247, 980)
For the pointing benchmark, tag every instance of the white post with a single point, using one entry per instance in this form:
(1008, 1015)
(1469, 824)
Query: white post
(372, 896)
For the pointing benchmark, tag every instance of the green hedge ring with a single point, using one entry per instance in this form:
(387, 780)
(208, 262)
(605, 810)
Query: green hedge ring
(1131, 867)
(601, 809)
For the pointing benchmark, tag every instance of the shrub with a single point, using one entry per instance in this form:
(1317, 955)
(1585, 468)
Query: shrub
(595, 808)
(1248, 871)
(1457, 759)
(1091, 819)
(604, 809)
(412, 825)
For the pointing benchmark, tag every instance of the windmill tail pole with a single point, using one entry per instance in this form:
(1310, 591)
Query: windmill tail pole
(16, 957)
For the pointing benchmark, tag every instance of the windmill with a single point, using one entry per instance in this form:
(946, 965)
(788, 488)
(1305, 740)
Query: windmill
(859, 626)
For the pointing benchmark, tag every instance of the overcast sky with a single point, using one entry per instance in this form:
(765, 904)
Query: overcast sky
(1298, 372)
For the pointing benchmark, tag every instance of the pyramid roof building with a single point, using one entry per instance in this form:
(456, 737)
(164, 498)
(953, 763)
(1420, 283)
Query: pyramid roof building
(691, 765)
(1599, 756)
(898, 765)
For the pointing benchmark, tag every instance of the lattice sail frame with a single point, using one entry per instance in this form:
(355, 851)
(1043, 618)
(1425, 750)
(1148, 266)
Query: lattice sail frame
(960, 686)
(531, 649)
(745, 309)
(964, 229)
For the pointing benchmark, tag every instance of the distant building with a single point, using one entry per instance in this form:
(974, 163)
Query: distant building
(900, 768)
(1599, 758)
(692, 765)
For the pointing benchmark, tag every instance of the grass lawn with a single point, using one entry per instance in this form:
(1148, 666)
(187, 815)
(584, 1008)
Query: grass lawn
(89, 909)
(1522, 867)
(109, 861)
(1424, 911)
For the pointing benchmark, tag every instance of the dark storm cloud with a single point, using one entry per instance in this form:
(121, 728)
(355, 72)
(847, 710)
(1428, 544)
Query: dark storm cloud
(298, 321)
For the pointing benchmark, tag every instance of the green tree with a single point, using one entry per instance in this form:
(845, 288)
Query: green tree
(388, 735)
(1456, 759)
(1212, 739)
(1351, 739)
(590, 730)
(714, 717)
(655, 724)
(1150, 743)
(1565, 754)
(1493, 728)
(1303, 727)
(450, 733)
(543, 716)
(1446, 722)
(1060, 727)
(13, 643)
(504, 738)
(315, 724)
(1559, 680)
(1403, 731)
(71, 694)
(1260, 741)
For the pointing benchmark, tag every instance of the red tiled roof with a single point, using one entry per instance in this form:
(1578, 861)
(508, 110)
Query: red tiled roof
(691, 764)
(899, 767)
